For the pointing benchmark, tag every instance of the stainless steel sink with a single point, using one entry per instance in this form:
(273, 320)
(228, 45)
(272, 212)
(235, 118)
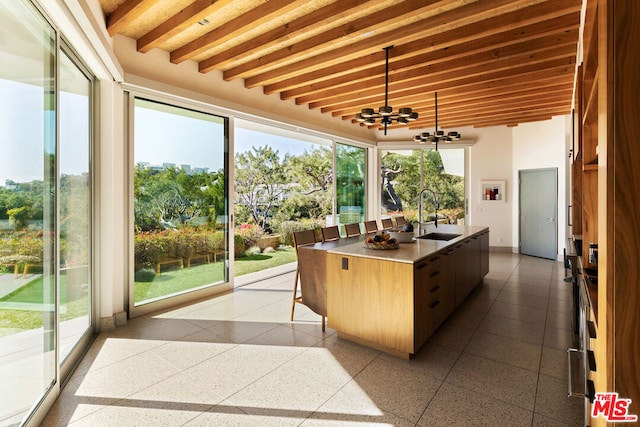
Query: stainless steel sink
(439, 236)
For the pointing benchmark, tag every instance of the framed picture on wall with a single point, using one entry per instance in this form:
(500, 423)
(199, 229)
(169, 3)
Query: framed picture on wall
(493, 191)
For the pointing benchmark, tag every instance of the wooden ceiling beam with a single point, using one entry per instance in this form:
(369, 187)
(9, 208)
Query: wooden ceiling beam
(315, 82)
(428, 27)
(440, 47)
(445, 21)
(332, 42)
(480, 63)
(126, 13)
(178, 23)
(255, 17)
(445, 117)
(541, 89)
(426, 84)
(322, 19)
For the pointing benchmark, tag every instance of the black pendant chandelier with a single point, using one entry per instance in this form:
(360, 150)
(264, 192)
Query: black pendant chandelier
(385, 113)
(438, 135)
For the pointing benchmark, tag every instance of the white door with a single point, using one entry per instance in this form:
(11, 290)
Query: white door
(539, 212)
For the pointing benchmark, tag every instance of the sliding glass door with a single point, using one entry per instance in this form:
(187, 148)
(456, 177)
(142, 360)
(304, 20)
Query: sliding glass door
(74, 204)
(27, 210)
(180, 228)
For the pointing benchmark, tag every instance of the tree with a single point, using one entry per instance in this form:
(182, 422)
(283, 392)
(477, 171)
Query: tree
(403, 173)
(260, 182)
(313, 170)
(18, 217)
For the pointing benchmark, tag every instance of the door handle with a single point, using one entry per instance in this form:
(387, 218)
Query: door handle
(551, 219)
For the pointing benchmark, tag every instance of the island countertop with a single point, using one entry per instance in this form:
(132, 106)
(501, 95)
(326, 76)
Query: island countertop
(415, 251)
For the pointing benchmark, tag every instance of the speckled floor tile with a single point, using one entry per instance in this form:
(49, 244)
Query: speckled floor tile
(457, 406)
(516, 297)
(498, 380)
(531, 332)
(469, 319)
(518, 312)
(549, 403)
(453, 336)
(236, 359)
(554, 363)
(502, 349)
(282, 393)
(561, 339)
(397, 387)
(352, 406)
(240, 332)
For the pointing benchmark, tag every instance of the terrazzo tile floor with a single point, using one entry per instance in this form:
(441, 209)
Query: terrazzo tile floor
(236, 359)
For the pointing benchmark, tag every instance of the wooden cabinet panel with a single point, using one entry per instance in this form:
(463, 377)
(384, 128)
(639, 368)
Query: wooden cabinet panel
(484, 254)
(372, 300)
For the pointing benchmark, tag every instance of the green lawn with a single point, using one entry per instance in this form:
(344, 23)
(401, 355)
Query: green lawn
(15, 320)
(176, 280)
(169, 282)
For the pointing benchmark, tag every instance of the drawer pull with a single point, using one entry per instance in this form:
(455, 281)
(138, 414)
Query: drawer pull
(591, 391)
(434, 304)
(435, 288)
(592, 329)
(434, 274)
(420, 267)
(592, 360)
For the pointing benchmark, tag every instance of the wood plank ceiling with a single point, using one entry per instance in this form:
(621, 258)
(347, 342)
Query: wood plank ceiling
(494, 62)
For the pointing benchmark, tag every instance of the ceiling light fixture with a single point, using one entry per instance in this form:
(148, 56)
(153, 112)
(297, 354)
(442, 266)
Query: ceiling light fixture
(438, 135)
(385, 113)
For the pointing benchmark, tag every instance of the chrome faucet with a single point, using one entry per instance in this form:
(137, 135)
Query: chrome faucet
(435, 206)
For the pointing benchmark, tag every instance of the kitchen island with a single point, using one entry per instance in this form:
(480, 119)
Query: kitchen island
(393, 300)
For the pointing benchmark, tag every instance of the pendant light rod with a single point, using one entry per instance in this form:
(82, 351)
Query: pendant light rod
(438, 136)
(386, 76)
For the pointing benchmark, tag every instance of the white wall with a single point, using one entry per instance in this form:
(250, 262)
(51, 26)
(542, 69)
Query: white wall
(491, 158)
(544, 145)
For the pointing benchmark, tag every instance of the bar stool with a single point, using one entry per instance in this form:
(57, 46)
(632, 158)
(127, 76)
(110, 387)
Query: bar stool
(352, 230)
(300, 238)
(387, 223)
(400, 221)
(370, 226)
(330, 233)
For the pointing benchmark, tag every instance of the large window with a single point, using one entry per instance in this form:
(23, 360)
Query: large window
(180, 200)
(403, 173)
(283, 183)
(45, 209)
(350, 184)
(74, 205)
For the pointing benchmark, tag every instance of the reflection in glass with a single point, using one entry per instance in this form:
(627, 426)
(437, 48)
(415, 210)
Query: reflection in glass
(350, 184)
(27, 221)
(403, 173)
(74, 205)
(180, 201)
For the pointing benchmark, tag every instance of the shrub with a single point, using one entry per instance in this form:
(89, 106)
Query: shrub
(238, 245)
(287, 228)
(250, 233)
(215, 241)
(148, 247)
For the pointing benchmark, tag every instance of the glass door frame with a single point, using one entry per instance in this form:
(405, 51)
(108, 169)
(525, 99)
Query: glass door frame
(131, 92)
(68, 364)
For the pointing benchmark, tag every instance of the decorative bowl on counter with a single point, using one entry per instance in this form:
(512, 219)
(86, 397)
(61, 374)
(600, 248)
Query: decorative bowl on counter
(381, 241)
(402, 236)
